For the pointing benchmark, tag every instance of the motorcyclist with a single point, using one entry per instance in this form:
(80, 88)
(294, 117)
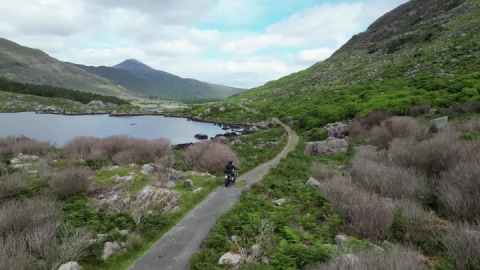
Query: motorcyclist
(230, 169)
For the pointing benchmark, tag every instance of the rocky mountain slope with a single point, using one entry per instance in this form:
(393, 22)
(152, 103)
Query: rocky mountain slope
(23, 64)
(425, 51)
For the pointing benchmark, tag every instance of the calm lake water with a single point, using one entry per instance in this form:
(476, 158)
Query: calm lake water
(59, 129)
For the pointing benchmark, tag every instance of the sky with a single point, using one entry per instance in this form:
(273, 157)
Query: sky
(240, 43)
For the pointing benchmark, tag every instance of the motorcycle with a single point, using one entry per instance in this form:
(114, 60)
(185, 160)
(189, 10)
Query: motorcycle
(230, 178)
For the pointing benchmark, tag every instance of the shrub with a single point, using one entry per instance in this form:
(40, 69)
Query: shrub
(463, 242)
(388, 180)
(210, 156)
(375, 118)
(432, 156)
(356, 132)
(395, 127)
(367, 215)
(70, 182)
(12, 146)
(419, 110)
(459, 190)
(318, 134)
(321, 171)
(469, 107)
(11, 185)
(120, 149)
(395, 257)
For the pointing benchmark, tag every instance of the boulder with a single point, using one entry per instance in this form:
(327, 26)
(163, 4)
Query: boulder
(253, 129)
(230, 259)
(150, 168)
(207, 110)
(27, 157)
(201, 136)
(341, 239)
(97, 104)
(188, 183)
(221, 109)
(69, 266)
(349, 259)
(312, 182)
(170, 184)
(440, 122)
(123, 232)
(280, 201)
(222, 139)
(327, 147)
(147, 193)
(336, 130)
(21, 166)
(110, 248)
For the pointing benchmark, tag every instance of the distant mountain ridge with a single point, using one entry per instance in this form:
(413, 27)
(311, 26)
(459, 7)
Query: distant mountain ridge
(169, 86)
(27, 65)
(129, 79)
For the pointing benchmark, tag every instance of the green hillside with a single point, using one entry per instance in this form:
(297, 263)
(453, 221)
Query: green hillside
(26, 65)
(421, 52)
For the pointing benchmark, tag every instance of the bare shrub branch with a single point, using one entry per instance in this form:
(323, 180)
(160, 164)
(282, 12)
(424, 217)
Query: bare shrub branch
(463, 241)
(70, 182)
(12, 146)
(11, 185)
(210, 156)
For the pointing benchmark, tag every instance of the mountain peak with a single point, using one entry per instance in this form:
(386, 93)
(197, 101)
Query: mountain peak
(132, 64)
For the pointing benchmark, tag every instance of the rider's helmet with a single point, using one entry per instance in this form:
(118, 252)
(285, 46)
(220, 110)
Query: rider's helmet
(230, 161)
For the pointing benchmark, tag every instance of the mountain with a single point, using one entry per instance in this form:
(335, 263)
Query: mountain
(23, 64)
(161, 84)
(424, 51)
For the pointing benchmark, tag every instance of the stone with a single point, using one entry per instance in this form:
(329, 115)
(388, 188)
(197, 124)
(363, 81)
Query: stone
(280, 201)
(375, 247)
(237, 141)
(265, 260)
(69, 266)
(440, 122)
(123, 232)
(21, 166)
(432, 111)
(101, 236)
(33, 172)
(109, 248)
(111, 168)
(336, 130)
(97, 104)
(289, 120)
(147, 193)
(230, 259)
(201, 136)
(188, 183)
(253, 129)
(118, 178)
(150, 168)
(341, 239)
(27, 157)
(327, 147)
(273, 144)
(207, 110)
(308, 133)
(349, 259)
(255, 249)
(197, 190)
(170, 184)
(235, 238)
(222, 139)
(312, 182)
(222, 109)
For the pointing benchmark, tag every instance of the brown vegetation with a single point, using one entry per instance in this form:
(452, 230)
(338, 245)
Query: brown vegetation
(210, 156)
(12, 146)
(70, 182)
(120, 149)
(11, 185)
(463, 242)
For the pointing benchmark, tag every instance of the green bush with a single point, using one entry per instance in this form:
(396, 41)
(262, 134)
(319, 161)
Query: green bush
(318, 134)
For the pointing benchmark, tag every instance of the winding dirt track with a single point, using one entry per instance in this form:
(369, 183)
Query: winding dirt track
(175, 248)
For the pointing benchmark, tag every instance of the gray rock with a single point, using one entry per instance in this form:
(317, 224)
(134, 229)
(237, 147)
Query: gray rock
(101, 236)
(432, 111)
(123, 232)
(253, 129)
(96, 104)
(21, 166)
(235, 238)
(349, 259)
(27, 157)
(336, 130)
(170, 184)
(341, 239)
(147, 193)
(308, 133)
(197, 190)
(222, 109)
(69, 266)
(312, 182)
(188, 183)
(440, 122)
(207, 110)
(237, 141)
(325, 148)
(110, 248)
(273, 144)
(222, 139)
(230, 259)
(280, 201)
(150, 168)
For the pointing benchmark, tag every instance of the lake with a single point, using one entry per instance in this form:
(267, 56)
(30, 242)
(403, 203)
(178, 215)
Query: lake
(58, 129)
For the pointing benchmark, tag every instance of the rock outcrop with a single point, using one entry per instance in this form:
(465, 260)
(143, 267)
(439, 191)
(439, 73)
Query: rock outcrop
(327, 147)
